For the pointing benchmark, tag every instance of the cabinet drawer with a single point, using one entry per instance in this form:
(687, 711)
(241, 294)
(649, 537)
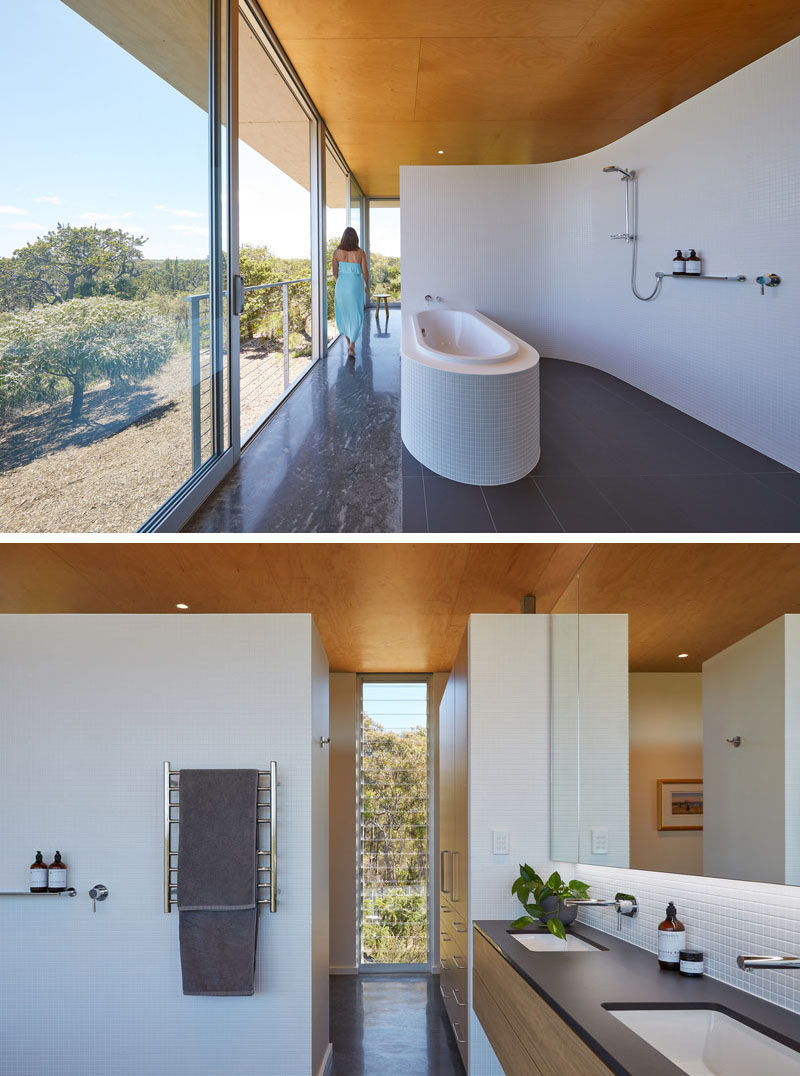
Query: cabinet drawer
(521, 1024)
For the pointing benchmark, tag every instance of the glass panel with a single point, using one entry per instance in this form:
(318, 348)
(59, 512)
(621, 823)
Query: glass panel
(384, 248)
(104, 262)
(336, 185)
(393, 819)
(357, 209)
(274, 229)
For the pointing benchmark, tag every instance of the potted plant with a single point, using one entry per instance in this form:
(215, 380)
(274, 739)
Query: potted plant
(545, 900)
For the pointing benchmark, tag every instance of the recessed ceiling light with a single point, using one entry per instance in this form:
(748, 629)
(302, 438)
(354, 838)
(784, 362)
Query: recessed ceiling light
(683, 655)
(440, 151)
(181, 605)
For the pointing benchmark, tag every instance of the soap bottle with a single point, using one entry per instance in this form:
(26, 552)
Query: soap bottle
(678, 264)
(694, 267)
(671, 939)
(39, 875)
(57, 875)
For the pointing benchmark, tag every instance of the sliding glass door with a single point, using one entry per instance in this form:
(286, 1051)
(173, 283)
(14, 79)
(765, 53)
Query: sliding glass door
(394, 800)
(112, 377)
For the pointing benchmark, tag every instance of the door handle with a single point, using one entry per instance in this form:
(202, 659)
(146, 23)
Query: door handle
(455, 996)
(459, 966)
(453, 878)
(238, 295)
(442, 854)
(455, 1032)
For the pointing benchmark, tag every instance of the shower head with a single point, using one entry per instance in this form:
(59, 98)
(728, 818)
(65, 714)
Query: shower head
(615, 168)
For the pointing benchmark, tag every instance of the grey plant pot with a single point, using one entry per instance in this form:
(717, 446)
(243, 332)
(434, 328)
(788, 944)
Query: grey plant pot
(554, 909)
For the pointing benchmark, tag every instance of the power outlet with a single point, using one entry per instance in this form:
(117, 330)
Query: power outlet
(500, 842)
(599, 842)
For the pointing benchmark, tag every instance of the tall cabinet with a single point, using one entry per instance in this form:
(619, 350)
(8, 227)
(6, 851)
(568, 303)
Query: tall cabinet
(454, 850)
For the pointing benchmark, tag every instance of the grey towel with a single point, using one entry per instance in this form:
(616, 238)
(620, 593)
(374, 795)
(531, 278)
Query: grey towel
(217, 887)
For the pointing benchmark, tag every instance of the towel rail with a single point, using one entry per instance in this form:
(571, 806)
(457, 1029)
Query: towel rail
(171, 805)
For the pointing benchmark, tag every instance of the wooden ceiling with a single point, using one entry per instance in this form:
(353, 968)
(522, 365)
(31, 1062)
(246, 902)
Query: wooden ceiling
(509, 81)
(402, 607)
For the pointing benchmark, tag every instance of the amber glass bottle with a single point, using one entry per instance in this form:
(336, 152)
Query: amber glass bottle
(671, 939)
(39, 875)
(57, 875)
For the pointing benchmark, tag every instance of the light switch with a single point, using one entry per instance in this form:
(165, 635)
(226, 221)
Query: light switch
(500, 842)
(599, 842)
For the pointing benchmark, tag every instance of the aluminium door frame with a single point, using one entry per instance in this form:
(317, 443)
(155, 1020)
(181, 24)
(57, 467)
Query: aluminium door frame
(399, 678)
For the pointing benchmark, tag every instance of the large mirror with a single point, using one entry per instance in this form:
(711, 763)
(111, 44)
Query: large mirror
(676, 713)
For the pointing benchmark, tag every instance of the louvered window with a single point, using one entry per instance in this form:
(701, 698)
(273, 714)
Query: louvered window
(393, 796)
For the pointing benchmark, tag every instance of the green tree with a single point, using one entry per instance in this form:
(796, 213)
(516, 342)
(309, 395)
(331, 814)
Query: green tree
(77, 342)
(69, 262)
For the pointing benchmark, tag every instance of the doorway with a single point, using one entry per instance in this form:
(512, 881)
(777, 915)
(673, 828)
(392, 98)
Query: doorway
(384, 247)
(393, 792)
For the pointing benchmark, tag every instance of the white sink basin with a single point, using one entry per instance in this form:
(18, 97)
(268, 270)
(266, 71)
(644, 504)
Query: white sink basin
(704, 1042)
(549, 943)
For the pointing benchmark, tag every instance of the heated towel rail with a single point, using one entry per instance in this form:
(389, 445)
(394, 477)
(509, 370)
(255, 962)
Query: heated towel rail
(267, 793)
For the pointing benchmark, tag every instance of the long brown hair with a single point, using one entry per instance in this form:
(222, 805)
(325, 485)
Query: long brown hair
(349, 240)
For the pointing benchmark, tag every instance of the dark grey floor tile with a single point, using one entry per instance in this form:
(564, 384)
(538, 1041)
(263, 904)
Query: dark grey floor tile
(785, 482)
(412, 468)
(391, 1025)
(415, 518)
(651, 503)
(455, 507)
(520, 508)
(743, 457)
(554, 459)
(735, 502)
(579, 506)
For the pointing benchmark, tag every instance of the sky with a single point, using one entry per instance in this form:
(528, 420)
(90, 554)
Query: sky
(100, 139)
(395, 705)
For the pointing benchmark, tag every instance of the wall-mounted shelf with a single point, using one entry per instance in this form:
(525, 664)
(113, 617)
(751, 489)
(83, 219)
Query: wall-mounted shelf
(740, 279)
(69, 892)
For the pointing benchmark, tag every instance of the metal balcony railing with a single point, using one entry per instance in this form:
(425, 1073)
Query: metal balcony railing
(201, 373)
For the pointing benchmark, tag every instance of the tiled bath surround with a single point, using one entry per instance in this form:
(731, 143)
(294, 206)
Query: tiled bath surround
(723, 918)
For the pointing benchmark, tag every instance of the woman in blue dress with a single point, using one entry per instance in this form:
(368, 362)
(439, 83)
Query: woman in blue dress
(349, 265)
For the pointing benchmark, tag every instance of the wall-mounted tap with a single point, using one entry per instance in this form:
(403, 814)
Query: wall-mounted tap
(624, 903)
(428, 298)
(439, 299)
(776, 963)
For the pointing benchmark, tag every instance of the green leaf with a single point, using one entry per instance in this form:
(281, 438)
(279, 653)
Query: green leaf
(517, 884)
(578, 888)
(544, 893)
(554, 882)
(527, 873)
(535, 909)
(523, 921)
(556, 927)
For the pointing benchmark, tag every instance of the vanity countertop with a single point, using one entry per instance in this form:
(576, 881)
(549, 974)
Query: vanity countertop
(577, 985)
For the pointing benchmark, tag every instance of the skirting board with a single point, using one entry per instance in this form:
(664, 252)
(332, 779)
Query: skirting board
(326, 1068)
(345, 969)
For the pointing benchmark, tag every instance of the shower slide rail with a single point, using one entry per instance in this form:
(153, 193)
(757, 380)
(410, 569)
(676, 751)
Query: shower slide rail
(267, 802)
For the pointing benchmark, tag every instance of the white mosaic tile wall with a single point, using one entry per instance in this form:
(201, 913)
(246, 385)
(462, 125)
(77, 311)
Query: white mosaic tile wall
(509, 771)
(723, 918)
(529, 247)
(91, 706)
(481, 429)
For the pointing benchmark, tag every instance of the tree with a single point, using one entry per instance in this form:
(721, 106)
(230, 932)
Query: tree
(80, 341)
(70, 262)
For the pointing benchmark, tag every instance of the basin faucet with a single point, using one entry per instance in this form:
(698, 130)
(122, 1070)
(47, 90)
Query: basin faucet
(624, 903)
(439, 299)
(777, 963)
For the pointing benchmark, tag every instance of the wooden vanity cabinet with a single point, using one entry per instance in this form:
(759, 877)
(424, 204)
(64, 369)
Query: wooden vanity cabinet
(529, 1038)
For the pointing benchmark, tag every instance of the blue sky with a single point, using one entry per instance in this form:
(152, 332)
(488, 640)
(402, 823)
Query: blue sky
(94, 137)
(396, 705)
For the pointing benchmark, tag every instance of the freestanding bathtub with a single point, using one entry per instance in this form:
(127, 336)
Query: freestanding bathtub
(469, 397)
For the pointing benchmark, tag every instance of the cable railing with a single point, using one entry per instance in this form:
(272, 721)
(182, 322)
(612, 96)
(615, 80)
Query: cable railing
(258, 383)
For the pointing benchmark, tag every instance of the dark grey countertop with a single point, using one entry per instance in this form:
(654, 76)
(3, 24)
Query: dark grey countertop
(577, 985)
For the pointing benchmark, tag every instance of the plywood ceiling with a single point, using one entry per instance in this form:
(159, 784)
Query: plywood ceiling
(395, 607)
(509, 81)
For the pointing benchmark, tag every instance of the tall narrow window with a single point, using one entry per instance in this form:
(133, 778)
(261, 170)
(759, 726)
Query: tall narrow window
(384, 247)
(393, 822)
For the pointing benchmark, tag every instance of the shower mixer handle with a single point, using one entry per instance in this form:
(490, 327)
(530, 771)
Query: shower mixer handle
(624, 235)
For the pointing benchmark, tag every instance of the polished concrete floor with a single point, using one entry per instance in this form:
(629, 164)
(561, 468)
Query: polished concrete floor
(613, 459)
(391, 1025)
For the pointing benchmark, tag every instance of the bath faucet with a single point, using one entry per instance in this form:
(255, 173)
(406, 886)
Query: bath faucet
(428, 298)
(439, 299)
(623, 902)
(777, 963)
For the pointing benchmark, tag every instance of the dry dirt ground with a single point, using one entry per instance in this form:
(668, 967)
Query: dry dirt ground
(132, 450)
